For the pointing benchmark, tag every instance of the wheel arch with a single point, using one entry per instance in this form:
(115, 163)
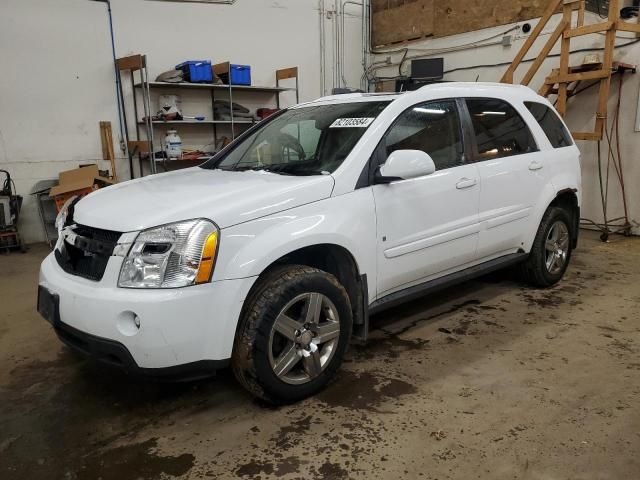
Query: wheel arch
(339, 262)
(567, 199)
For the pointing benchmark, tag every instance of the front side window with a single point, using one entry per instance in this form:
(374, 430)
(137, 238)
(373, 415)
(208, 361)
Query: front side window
(550, 123)
(432, 127)
(312, 140)
(499, 129)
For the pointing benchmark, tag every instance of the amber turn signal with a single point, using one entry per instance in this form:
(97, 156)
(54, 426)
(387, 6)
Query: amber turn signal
(208, 257)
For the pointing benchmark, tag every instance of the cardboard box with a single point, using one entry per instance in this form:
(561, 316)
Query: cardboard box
(79, 181)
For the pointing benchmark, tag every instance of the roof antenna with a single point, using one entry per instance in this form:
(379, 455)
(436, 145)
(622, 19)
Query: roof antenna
(477, 78)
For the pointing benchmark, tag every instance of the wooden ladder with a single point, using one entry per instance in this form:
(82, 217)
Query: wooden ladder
(562, 79)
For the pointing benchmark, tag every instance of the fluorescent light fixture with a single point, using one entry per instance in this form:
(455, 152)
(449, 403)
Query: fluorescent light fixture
(435, 111)
(493, 113)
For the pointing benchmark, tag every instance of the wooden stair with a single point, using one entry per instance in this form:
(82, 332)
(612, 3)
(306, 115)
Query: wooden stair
(564, 81)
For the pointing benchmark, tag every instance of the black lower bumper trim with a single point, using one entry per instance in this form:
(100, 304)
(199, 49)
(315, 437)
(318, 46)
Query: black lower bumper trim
(116, 354)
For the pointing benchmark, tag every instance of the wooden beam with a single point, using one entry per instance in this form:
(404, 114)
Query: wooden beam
(577, 77)
(581, 10)
(542, 56)
(628, 26)
(106, 138)
(607, 63)
(596, 27)
(551, 9)
(586, 135)
(565, 50)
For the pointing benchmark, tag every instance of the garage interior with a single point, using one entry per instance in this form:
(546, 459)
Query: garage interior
(488, 379)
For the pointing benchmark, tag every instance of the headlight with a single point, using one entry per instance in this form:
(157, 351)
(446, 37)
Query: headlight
(61, 218)
(174, 255)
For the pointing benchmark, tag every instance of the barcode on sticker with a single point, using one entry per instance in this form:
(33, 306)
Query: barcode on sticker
(352, 123)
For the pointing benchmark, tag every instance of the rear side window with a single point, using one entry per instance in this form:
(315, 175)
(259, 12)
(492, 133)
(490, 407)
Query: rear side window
(499, 129)
(432, 127)
(553, 128)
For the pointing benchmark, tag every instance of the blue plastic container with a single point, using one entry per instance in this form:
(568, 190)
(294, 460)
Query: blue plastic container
(196, 70)
(240, 74)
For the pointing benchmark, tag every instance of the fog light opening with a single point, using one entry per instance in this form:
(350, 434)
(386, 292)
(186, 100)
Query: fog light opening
(128, 323)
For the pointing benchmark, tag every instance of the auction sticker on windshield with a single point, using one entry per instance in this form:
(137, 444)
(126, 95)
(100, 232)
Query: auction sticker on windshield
(352, 123)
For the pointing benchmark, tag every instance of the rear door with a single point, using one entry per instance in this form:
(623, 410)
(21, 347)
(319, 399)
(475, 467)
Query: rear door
(426, 225)
(513, 172)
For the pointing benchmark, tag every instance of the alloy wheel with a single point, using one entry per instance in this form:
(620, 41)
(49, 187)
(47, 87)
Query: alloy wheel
(304, 338)
(557, 247)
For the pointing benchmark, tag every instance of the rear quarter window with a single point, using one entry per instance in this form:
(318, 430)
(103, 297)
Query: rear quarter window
(551, 124)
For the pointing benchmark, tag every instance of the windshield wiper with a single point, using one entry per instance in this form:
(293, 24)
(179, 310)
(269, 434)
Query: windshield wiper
(293, 169)
(279, 169)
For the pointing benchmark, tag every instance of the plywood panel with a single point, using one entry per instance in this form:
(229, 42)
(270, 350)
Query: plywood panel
(400, 20)
(458, 16)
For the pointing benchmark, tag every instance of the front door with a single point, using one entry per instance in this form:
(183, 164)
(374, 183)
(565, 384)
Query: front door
(427, 225)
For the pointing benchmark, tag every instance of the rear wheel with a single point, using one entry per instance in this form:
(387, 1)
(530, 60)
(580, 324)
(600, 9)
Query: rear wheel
(293, 334)
(551, 250)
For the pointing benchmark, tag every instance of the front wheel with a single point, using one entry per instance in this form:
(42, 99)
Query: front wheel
(293, 334)
(551, 249)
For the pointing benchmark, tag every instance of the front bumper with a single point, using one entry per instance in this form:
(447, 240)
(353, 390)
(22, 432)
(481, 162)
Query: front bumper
(116, 354)
(178, 328)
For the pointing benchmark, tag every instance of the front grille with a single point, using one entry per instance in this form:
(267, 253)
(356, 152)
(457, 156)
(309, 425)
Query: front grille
(89, 256)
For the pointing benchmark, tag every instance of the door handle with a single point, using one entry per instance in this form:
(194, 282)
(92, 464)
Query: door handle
(466, 183)
(535, 166)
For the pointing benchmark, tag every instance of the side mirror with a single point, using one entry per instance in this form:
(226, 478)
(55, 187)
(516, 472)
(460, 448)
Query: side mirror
(404, 165)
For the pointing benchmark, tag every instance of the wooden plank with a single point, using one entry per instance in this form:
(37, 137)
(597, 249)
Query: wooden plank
(586, 135)
(628, 26)
(400, 21)
(577, 77)
(458, 16)
(542, 56)
(581, 10)
(607, 63)
(596, 27)
(551, 8)
(132, 62)
(106, 137)
(565, 50)
(285, 73)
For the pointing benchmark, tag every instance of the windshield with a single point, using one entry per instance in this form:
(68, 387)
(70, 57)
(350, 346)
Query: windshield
(311, 140)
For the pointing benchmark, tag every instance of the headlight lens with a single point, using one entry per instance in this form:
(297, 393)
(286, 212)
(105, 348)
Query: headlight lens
(61, 218)
(174, 255)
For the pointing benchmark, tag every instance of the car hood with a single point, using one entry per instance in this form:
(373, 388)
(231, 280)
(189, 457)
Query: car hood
(227, 198)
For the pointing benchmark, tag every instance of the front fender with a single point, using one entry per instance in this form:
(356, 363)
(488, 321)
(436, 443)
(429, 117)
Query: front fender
(348, 221)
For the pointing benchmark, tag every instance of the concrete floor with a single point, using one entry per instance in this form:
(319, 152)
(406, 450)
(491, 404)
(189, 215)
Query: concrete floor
(486, 380)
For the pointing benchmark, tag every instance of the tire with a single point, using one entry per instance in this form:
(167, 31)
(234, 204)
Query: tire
(536, 270)
(267, 344)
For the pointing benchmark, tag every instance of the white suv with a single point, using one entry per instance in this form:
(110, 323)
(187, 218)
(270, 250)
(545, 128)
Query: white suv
(272, 255)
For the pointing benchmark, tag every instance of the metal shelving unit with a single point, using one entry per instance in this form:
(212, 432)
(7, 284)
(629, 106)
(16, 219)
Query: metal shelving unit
(143, 146)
